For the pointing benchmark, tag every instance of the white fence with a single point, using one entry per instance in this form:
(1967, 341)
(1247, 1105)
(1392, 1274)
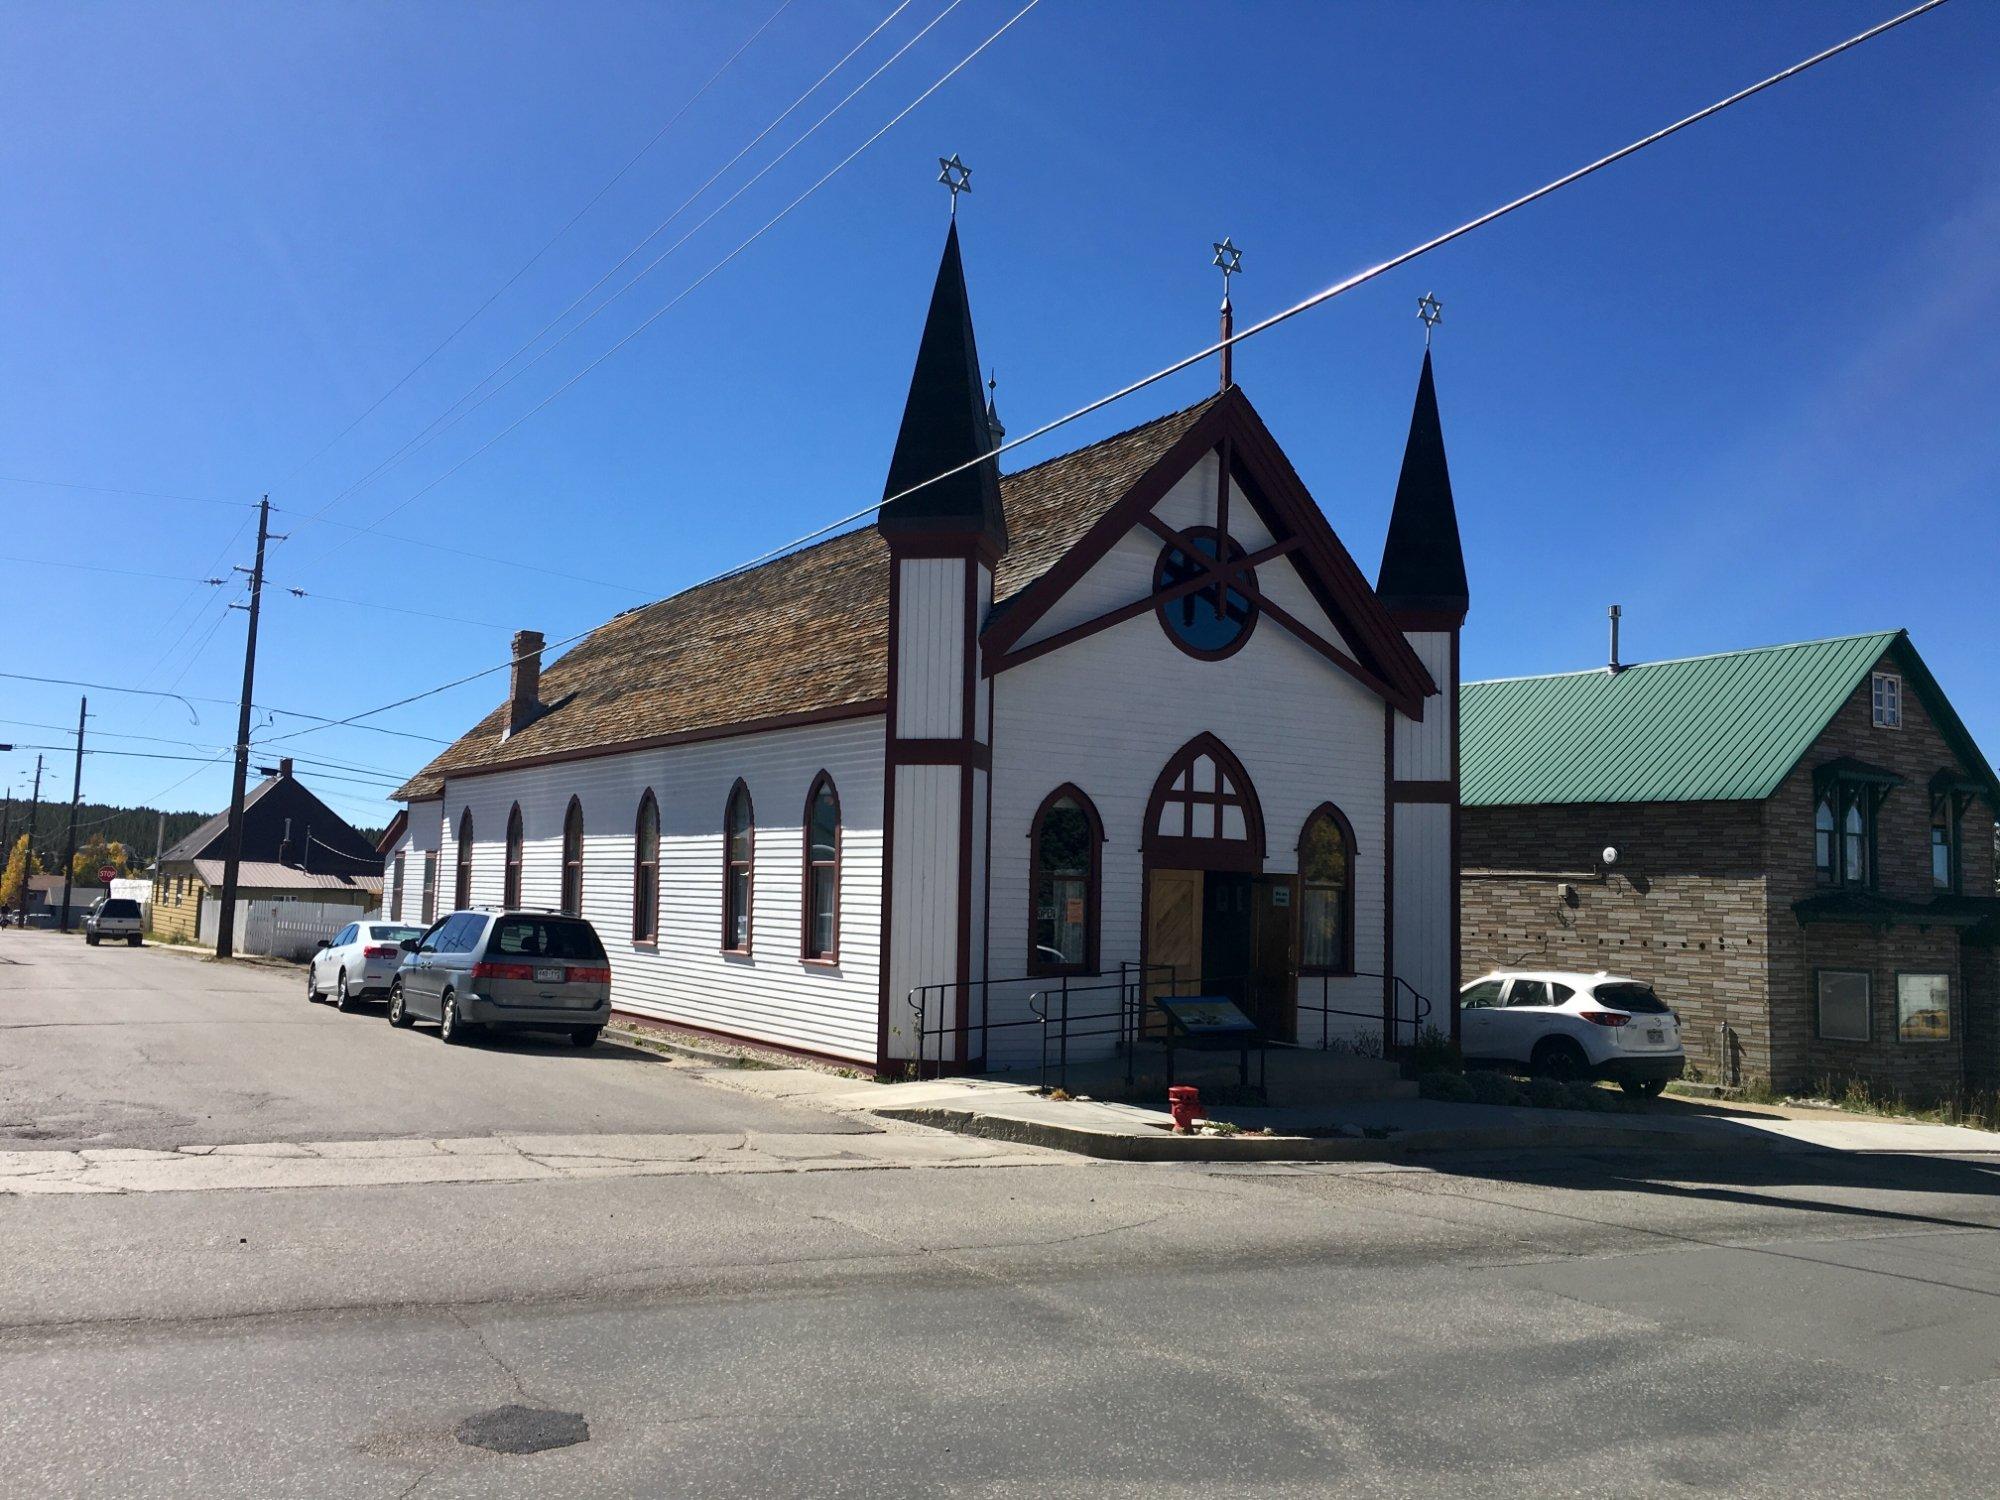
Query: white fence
(279, 929)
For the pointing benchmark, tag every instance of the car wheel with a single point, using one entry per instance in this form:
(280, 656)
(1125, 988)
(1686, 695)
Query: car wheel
(451, 1030)
(399, 1014)
(1559, 1058)
(584, 1036)
(133, 941)
(312, 985)
(342, 1001)
(1643, 1088)
(91, 939)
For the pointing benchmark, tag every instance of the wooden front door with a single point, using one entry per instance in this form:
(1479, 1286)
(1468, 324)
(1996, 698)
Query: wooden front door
(1173, 933)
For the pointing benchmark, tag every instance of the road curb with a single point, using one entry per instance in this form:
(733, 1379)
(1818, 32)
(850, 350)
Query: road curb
(1161, 1146)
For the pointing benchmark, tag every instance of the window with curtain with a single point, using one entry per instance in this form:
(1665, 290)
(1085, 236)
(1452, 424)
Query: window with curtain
(510, 886)
(1326, 891)
(646, 872)
(1823, 851)
(739, 849)
(572, 859)
(1064, 857)
(1854, 841)
(1944, 847)
(462, 895)
(822, 872)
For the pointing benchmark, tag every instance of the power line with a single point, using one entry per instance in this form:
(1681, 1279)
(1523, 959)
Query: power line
(186, 699)
(397, 609)
(705, 276)
(106, 489)
(160, 739)
(451, 416)
(548, 245)
(1313, 301)
(50, 562)
(485, 557)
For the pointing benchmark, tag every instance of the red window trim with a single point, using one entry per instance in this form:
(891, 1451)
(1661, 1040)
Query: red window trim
(572, 821)
(648, 935)
(1185, 850)
(749, 873)
(1346, 831)
(511, 857)
(1093, 885)
(831, 958)
(462, 878)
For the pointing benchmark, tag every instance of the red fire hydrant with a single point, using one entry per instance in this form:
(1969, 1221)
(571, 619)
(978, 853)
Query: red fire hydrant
(1184, 1103)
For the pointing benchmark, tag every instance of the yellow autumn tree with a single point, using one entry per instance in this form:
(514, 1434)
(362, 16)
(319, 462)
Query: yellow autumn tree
(94, 856)
(17, 872)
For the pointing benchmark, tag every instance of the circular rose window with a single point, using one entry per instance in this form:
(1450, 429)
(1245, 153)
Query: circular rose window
(1211, 620)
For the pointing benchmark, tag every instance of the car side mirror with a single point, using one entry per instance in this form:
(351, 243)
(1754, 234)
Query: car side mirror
(322, 945)
(408, 945)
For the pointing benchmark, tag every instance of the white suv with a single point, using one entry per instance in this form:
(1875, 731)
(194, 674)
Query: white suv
(1572, 1026)
(113, 917)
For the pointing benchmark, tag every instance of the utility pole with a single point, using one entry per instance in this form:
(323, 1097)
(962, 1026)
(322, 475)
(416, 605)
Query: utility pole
(7, 840)
(28, 864)
(225, 933)
(75, 793)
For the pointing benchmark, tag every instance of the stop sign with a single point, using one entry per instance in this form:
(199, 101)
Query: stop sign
(106, 874)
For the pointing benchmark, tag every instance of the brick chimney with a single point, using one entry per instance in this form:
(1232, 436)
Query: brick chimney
(525, 681)
(285, 768)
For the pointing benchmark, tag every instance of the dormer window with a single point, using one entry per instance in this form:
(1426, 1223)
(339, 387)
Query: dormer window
(1888, 699)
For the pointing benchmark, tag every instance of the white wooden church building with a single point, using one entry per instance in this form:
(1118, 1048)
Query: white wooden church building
(1132, 706)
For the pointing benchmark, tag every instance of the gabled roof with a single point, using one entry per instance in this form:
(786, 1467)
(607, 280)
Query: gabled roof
(805, 634)
(208, 837)
(394, 831)
(1704, 729)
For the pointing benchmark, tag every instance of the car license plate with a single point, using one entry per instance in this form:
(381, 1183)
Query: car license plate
(1656, 1035)
(550, 976)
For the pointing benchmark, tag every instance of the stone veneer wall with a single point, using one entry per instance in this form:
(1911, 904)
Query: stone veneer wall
(1683, 909)
(1902, 839)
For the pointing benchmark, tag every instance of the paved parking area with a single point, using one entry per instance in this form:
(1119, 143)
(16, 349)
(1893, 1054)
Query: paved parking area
(115, 1047)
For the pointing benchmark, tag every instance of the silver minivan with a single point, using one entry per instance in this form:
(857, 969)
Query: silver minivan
(532, 970)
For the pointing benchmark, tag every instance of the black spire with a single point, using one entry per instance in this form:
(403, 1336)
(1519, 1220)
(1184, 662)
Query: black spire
(1423, 567)
(945, 425)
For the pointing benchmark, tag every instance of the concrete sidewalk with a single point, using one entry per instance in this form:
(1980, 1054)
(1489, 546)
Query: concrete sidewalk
(1368, 1130)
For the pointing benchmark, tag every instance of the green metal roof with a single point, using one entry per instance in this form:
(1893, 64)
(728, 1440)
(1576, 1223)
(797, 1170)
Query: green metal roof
(1705, 729)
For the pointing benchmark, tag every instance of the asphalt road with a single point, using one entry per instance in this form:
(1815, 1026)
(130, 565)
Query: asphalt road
(1764, 1325)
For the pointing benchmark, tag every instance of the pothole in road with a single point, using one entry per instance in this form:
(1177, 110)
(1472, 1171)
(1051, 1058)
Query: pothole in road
(523, 1429)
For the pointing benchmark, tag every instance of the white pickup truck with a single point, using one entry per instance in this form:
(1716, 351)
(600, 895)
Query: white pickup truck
(114, 917)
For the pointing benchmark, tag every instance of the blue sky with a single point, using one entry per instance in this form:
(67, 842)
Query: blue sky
(1743, 384)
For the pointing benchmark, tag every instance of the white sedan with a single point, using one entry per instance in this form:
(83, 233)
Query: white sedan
(358, 962)
(1564, 1025)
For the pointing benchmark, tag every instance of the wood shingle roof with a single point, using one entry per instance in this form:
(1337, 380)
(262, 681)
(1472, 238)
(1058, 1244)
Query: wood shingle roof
(802, 636)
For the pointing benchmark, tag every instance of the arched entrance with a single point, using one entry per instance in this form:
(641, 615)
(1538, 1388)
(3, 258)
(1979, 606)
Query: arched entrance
(1211, 913)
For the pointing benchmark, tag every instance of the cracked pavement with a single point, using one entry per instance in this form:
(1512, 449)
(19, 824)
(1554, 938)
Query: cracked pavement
(234, 1292)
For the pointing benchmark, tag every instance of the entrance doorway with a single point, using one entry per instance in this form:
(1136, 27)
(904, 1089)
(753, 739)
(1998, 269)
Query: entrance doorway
(1226, 932)
(1212, 915)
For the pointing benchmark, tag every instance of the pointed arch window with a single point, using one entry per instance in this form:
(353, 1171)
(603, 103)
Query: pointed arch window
(462, 894)
(821, 938)
(739, 844)
(1326, 893)
(1824, 860)
(572, 859)
(510, 880)
(1065, 879)
(1203, 813)
(646, 871)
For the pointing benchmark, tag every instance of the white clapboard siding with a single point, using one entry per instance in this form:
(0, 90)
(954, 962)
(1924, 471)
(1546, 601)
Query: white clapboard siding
(1108, 712)
(923, 936)
(930, 648)
(1423, 747)
(1424, 877)
(771, 994)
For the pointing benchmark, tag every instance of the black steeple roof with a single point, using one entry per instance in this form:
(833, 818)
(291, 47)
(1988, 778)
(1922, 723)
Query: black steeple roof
(944, 425)
(1423, 566)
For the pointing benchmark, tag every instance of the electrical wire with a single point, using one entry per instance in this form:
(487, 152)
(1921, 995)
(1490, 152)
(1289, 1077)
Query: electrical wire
(106, 489)
(548, 245)
(700, 280)
(395, 609)
(50, 562)
(1315, 300)
(452, 415)
(187, 699)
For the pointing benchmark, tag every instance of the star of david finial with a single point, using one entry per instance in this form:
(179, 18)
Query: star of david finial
(1228, 259)
(1432, 312)
(955, 175)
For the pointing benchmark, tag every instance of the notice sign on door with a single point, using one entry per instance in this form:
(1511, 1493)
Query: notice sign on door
(1073, 911)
